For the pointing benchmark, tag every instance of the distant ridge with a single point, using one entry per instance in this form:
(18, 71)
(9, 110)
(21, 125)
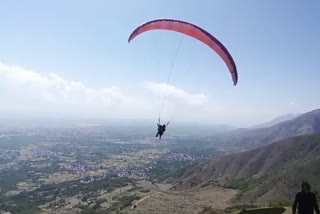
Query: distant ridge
(276, 120)
(243, 139)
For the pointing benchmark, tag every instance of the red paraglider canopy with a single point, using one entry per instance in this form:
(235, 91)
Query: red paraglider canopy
(192, 31)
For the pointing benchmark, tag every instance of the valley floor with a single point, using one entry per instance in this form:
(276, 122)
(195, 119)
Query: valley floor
(163, 201)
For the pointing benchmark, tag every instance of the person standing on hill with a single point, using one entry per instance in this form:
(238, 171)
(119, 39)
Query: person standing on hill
(306, 201)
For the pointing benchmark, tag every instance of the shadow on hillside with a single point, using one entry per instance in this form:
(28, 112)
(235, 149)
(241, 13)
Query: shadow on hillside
(278, 210)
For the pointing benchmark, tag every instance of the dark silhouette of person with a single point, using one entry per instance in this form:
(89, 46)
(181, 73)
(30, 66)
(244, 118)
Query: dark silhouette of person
(306, 201)
(161, 129)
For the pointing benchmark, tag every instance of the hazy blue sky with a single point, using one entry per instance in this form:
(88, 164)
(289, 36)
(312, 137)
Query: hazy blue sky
(72, 58)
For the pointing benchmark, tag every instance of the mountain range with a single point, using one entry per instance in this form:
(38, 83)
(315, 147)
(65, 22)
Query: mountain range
(276, 120)
(280, 158)
(268, 173)
(243, 139)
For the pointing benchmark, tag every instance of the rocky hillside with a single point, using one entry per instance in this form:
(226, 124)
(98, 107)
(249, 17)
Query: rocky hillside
(266, 173)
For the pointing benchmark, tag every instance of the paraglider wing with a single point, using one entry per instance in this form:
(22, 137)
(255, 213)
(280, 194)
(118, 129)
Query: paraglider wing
(192, 31)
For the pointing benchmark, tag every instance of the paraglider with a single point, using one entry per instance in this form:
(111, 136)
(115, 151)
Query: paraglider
(192, 31)
(195, 32)
(161, 129)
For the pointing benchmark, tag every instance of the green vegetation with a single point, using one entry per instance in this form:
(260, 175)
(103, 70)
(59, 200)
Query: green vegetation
(145, 190)
(244, 184)
(25, 209)
(210, 183)
(18, 141)
(9, 179)
(30, 200)
(169, 170)
(126, 201)
(207, 210)
(316, 190)
(194, 146)
(123, 202)
(163, 170)
(91, 210)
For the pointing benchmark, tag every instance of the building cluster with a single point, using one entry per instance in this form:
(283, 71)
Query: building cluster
(45, 154)
(81, 168)
(179, 157)
(132, 171)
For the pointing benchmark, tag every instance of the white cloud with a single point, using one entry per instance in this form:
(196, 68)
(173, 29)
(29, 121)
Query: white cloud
(54, 89)
(176, 93)
(26, 91)
(185, 106)
(30, 93)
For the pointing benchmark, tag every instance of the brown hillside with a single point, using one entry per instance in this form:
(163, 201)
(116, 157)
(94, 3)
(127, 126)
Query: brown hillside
(281, 163)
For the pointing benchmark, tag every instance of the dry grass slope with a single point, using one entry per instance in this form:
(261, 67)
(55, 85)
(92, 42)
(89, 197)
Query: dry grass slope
(265, 174)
